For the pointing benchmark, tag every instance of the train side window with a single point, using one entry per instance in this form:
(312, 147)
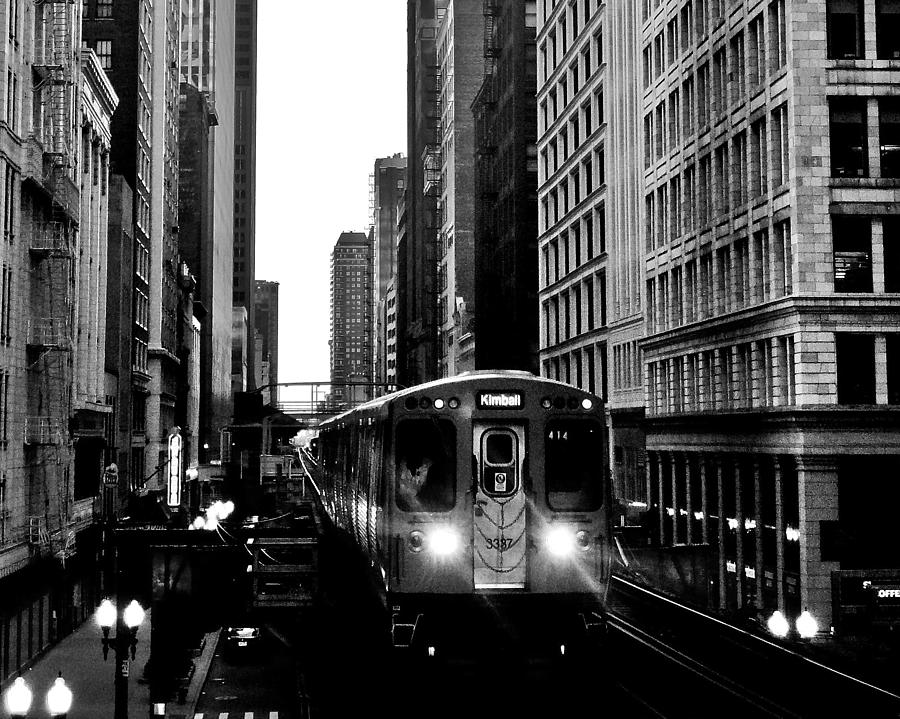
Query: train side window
(425, 465)
(574, 465)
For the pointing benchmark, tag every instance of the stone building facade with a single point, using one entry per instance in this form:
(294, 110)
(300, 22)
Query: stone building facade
(752, 270)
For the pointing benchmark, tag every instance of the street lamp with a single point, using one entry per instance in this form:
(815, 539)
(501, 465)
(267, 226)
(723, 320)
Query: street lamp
(18, 698)
(125, 642)
(59, 698)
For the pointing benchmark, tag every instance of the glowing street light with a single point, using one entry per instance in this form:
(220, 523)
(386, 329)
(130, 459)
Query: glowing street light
(59, 698)
(18, 698)
(124, 642)
(807, 626)
(778, 625)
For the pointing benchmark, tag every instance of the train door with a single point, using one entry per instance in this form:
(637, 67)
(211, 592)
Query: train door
(500, 541)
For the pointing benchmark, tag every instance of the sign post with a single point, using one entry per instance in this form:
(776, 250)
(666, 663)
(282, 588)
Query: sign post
(173, 486)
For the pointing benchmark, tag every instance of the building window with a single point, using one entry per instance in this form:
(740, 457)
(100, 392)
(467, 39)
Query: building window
(855, 355)
(848, 137)
(104, 8)
(845, 29)
(892, 348)
(887, 28)
(103, 49)
(891, 234)
(852, 241)
(889, 135)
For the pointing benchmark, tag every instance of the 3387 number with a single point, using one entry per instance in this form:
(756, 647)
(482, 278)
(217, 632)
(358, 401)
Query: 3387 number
(501, 544)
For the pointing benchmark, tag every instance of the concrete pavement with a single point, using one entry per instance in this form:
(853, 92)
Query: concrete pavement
(80, 659)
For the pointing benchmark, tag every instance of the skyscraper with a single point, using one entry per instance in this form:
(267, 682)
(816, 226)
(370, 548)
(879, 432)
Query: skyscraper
(265, 308)
(351, 330)
(208, 64)
(388, 185)
(504, 110)
(245, 167)
(136, 43)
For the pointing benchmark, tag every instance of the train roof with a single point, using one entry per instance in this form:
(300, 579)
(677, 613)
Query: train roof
(488, 374)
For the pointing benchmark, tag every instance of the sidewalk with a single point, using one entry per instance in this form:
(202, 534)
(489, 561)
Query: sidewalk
(80, 659)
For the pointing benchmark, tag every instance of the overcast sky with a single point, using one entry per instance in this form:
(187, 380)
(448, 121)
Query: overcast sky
(331, 98)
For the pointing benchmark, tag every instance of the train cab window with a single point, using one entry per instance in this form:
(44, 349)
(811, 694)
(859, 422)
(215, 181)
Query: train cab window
(425, 452)
(574, 465)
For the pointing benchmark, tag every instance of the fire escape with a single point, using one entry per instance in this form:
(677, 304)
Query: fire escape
(432, 169)
(50, 172)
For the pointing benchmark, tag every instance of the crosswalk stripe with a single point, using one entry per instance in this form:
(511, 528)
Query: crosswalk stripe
(226, 715)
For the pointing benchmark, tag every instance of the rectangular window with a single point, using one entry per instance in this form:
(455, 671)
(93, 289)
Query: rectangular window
(703, 95)
(889, 135)
(756, 52)
(104, 8)
(777, 35)
(891, 234)
(892, 347)
(847, 129)
(855, 354)
(887, 28)
(737, 75)
(687, 107)
(739, 168)
(852, 242)
(759, 170)
(720, 81)
(779, 146)
(426, 464)
(844, 29)
(687, 26)
(103, 49)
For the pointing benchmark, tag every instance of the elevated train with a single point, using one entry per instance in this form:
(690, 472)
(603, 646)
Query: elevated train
(484, 495)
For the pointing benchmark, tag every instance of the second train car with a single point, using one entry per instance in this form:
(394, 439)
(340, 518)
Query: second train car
(484, 491)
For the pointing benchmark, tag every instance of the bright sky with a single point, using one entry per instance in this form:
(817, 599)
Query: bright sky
(331, 99)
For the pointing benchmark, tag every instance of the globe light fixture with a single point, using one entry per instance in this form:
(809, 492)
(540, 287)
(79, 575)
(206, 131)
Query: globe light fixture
(778, 625)
(59, 698)
(17, 699)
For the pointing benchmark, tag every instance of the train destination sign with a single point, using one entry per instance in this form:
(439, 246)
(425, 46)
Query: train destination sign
(500, 400)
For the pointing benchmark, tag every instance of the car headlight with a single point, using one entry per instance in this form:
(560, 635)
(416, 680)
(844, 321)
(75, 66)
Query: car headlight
(560, 541)
(443, 541)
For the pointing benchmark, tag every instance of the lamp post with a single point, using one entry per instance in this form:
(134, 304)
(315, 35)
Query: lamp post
(18, 698)
(124, 643)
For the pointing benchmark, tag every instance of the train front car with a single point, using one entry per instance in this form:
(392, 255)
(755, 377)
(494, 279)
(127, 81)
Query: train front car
(500, 509)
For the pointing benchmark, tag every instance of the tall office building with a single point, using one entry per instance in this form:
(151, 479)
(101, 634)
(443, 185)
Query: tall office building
(752, 306)
(449, 178)
(208, 64)
(265, 309)
(351, 330)
(136, 43)
(506, 190)
(388, 185)
(417, 237)
(245, 167)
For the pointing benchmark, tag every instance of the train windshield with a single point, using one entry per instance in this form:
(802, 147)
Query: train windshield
(425, 452)
(574, 464)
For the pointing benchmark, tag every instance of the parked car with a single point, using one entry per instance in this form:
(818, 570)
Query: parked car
(242, 639)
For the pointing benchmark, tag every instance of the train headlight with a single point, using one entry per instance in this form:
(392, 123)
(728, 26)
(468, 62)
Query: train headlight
(586, 403)
(443, 541)
(416, 541)
(561, 541)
